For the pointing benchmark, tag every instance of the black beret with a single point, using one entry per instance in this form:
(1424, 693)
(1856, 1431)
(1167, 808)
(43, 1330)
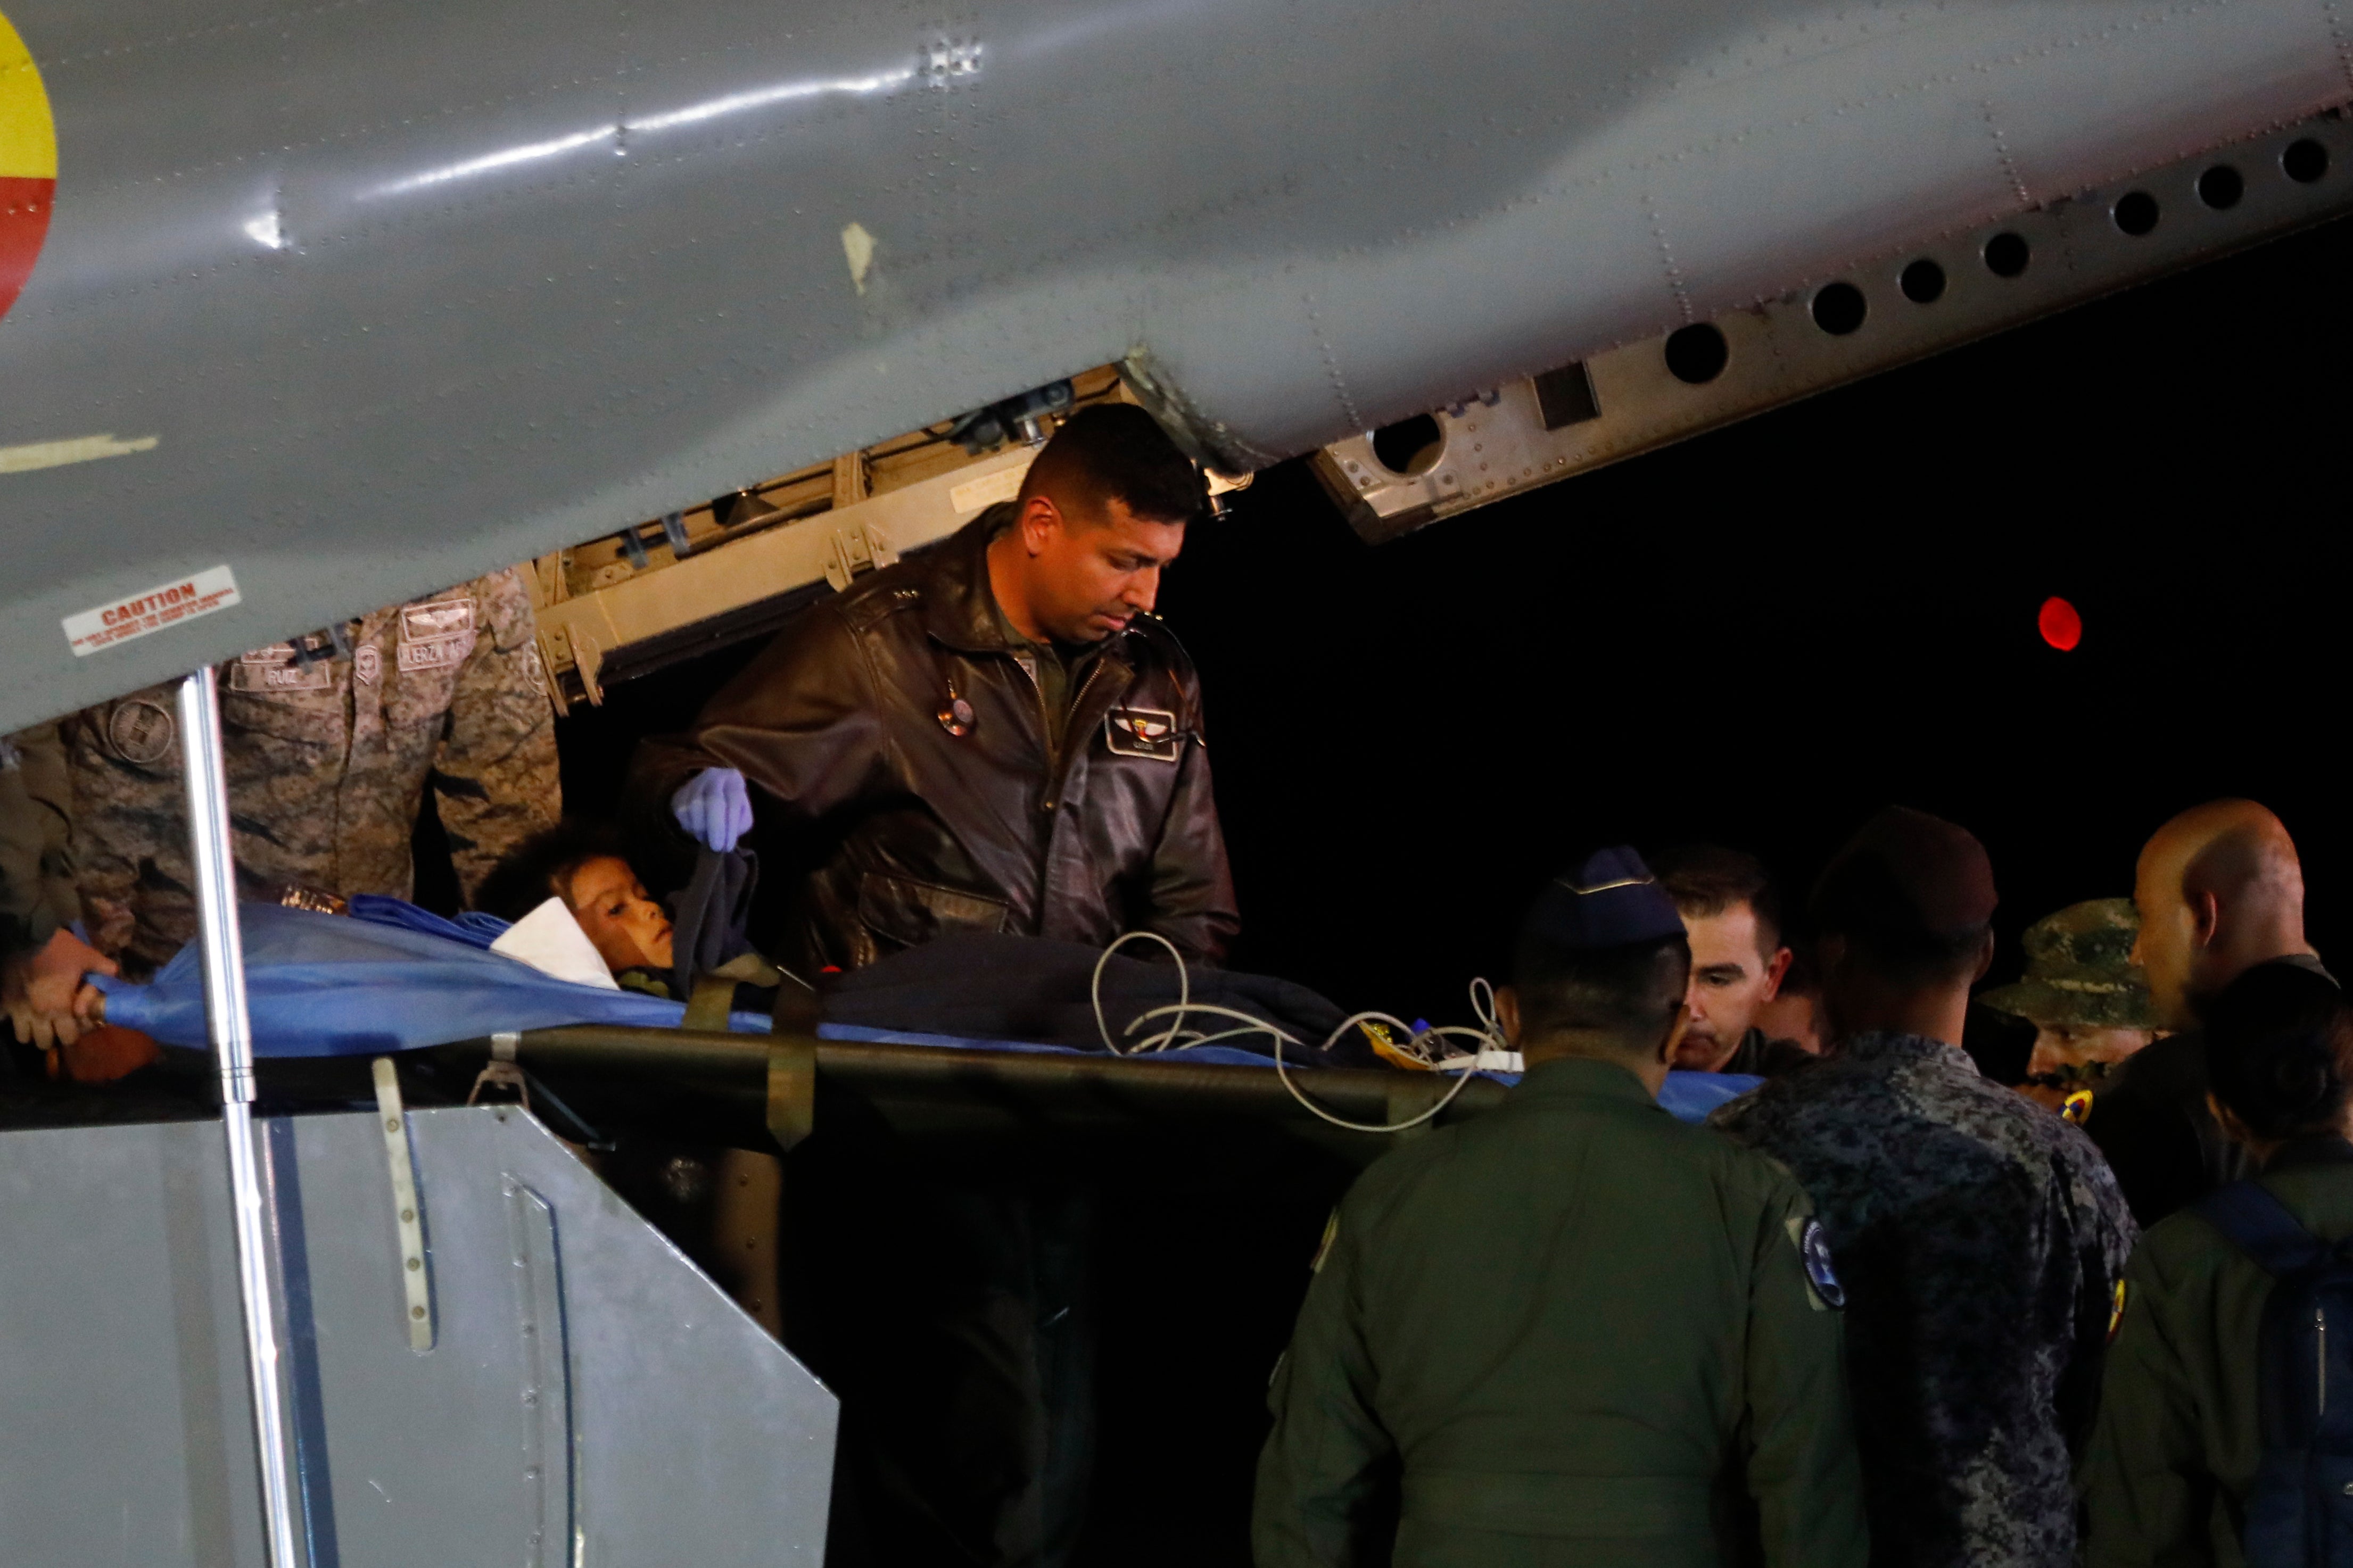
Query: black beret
(1906, 878)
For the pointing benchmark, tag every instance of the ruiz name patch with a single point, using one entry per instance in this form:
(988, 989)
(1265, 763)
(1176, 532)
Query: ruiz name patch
(275, 668)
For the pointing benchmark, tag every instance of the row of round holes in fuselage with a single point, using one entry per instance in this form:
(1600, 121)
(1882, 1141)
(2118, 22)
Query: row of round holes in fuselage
(1698, 353)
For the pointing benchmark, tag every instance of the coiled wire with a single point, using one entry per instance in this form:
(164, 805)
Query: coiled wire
(1418, 1044)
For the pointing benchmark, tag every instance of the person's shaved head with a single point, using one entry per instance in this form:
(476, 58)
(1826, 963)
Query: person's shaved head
(2220, 890)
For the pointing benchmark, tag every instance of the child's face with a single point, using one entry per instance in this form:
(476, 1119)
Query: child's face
(628, 929)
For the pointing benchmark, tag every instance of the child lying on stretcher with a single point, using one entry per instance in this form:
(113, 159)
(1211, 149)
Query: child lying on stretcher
(580, 865)
(579, 869)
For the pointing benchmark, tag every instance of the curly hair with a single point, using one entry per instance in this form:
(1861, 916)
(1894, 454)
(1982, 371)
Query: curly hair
(542, 867)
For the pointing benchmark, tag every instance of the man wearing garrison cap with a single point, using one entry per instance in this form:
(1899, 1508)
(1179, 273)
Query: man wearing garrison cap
(1980, 1237)
(1574, 1329)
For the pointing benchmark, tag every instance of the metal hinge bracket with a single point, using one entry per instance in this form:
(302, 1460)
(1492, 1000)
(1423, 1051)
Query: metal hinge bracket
(416, 1278)
(861, 548)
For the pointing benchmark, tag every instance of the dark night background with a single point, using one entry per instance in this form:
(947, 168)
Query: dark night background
(1756, 638)
(1760, 636)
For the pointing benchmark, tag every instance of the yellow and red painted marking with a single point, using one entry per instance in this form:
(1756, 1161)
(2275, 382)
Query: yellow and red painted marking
(28, 164)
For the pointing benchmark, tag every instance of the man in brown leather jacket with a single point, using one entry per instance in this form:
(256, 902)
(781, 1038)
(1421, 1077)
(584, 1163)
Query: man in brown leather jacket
(998, 736)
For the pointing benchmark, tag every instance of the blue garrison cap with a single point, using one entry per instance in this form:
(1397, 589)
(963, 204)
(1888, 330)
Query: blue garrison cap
(1610, 900)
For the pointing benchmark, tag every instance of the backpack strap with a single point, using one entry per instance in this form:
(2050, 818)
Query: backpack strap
(2259, 1225)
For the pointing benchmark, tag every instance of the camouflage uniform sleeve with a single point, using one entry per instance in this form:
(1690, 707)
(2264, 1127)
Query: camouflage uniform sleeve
(496, 776)
(131, 818)
(20, 856)
(2143, 1480)
(1802, 1467)
(36, 872)
(1327, 1478)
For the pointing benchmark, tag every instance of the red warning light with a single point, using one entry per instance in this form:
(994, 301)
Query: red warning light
(2061, 626)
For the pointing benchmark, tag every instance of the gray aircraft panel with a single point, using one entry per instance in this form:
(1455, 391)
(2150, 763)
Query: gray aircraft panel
(122, 1359)
(403, 292)
(588, 1395)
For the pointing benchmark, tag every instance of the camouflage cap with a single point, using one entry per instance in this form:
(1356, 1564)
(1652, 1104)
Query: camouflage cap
(2079, 970)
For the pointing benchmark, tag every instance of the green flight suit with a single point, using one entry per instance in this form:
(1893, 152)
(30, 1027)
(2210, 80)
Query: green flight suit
(2175, 1448)
(1572, 1331)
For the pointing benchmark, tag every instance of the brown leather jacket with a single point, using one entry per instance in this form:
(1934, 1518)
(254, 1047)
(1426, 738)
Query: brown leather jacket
(892, 830)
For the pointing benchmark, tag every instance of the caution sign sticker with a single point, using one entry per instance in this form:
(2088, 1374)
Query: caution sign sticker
(165, 605)
(28, 164)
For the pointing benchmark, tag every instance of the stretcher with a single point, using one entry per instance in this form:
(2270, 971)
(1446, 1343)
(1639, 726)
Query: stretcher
(392, 979)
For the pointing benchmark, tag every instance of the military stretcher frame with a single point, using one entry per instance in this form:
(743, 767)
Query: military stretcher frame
(769, 1084)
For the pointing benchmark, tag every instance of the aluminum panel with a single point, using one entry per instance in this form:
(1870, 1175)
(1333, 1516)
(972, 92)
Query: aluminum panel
(589, 1396)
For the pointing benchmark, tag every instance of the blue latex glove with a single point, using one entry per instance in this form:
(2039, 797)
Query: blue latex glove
(714, 808)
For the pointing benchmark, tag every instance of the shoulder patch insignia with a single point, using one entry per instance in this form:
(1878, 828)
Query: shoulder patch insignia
(1143, 733)
(140, 731)
(1814, 1248)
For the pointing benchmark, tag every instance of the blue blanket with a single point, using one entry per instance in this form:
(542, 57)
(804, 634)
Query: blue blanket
(1692, 1095)
(392, 978)
(333, 985)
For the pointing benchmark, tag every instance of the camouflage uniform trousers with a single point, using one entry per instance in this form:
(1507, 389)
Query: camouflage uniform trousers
(328, 755)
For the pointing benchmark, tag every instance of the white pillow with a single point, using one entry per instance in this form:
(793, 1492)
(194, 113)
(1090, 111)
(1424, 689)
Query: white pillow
(550, 941)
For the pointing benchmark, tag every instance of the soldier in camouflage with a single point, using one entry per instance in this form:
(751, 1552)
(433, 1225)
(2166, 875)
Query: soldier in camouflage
(2087, 998)
(330, 741)
(37, 874)
(42, 962)
(1980, 1237)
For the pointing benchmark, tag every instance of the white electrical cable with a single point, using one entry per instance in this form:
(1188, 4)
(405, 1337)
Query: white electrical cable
(1184, 990)
(1490, 1049)
(1483, 1005)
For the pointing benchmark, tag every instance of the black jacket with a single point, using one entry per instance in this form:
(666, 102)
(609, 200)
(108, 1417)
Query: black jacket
(892, 829)
(2150, 1120)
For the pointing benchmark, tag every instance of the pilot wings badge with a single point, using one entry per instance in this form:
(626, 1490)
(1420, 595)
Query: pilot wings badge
(436, 635)
(1142, 733)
